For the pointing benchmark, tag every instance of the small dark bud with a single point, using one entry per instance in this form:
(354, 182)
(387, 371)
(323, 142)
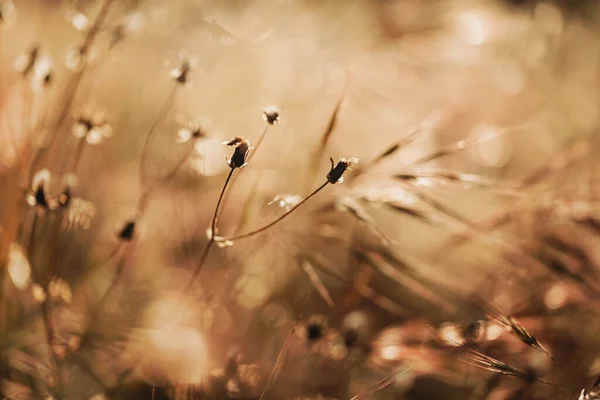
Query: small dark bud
(316, 328)
(181, 74)
(336, 173)
(40, 197)
(240, 153)
(271, 115)
(127, 232)
(48, 79)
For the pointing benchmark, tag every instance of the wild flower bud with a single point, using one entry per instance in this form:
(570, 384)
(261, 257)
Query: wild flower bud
(316, 328)
(93, 128)
(271, 115)
(42, 73)
(38, 196)
(181, 74)
(240, 153)
(190, 133)
(336, 173)
(127, 232)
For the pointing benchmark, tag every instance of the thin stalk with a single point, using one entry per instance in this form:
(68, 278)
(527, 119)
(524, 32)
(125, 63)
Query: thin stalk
(264, 228)
(283, 353)
(159, 116)
(49, 327)
(165, 179)
(74, 82)
(76, 157)
(213, 228)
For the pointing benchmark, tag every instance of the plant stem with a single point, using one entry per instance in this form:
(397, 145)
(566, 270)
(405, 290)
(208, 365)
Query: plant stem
(264, 228)
(72, 85)
(143, 201)
(159, 116)
(213, 228)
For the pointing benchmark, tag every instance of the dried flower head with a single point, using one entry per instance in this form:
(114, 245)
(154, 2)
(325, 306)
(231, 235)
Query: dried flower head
(190, 133)
(127, 231)
(92, 127)
(315, 328)
(336, 173)
(42, 73)
(181, 73)
(271, 114)
(38, 195)
(240, 153)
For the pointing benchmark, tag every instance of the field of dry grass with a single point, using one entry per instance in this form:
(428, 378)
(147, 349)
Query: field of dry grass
(299, 199)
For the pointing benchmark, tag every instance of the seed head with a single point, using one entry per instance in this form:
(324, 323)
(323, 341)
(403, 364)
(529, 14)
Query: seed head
(91, 127)
(336, 173)
(182, 73)
(240, 153)
(316, 328)
(190, 133)
(127, 232)
(42, 73)
(38, 195)
(271, 114)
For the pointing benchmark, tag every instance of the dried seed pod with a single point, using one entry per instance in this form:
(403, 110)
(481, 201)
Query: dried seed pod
(127, 232)
(240, 153)
(271, 114)
(336, 173)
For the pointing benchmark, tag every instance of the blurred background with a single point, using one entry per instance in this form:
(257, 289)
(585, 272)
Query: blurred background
(458, 259)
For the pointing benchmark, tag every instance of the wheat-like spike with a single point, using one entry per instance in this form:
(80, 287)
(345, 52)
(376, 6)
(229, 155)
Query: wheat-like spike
(381, 384)
(283, 353)
(512, 326)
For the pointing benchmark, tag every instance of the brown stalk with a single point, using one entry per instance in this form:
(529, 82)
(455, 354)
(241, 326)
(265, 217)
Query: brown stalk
(265, 227)
(213, 228)
(283, 353)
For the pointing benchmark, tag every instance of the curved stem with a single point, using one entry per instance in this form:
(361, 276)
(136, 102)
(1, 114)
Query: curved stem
(264, 228)
(159, 116)
(143, 201)
(213, 228)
